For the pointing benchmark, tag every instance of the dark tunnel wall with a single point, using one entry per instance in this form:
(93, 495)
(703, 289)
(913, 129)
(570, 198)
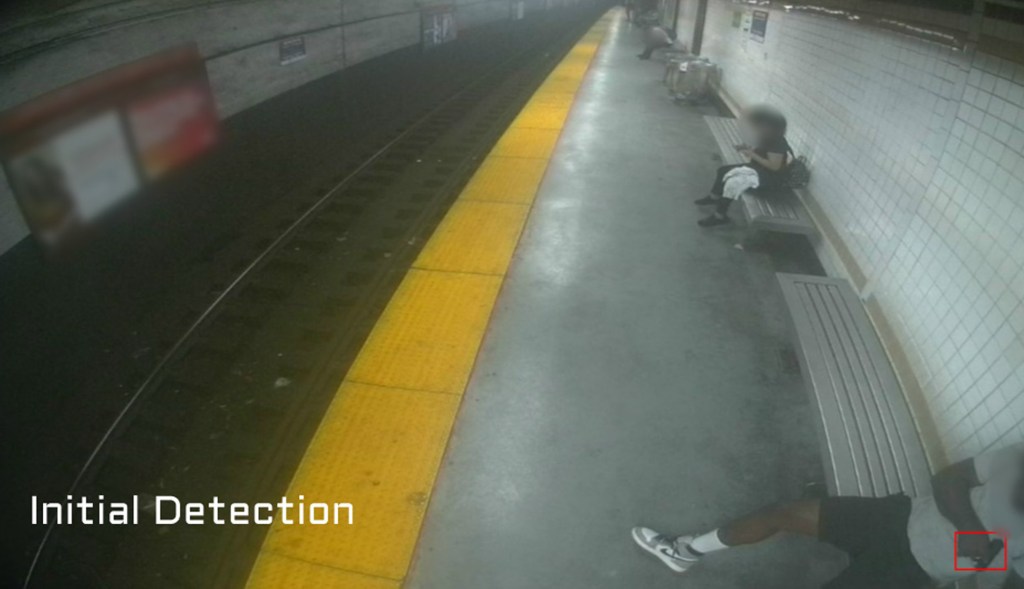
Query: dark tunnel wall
(240, 41)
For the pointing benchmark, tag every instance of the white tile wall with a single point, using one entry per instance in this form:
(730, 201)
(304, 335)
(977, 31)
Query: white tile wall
(917, 153)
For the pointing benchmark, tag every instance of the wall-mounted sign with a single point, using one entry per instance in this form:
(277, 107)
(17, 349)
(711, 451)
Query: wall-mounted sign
(438, 26)
(292, 50)
(73, 154)
(172, 127)
(759, 25)
(74, 177)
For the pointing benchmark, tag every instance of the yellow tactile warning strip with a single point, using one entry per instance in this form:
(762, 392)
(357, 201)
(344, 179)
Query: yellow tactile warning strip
(381, 442)
(527, 141)
(506, 179)
(475, 236)
(377, 448)
(428, 335)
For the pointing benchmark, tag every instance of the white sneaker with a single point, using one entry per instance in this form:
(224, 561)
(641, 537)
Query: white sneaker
(667, 549)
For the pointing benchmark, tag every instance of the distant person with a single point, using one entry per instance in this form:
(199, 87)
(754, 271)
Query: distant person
(893, 542)
(630, 6)
(656, 38)
(768, 159)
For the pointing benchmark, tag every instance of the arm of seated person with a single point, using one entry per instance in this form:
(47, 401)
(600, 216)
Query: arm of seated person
(774, 161)
(951, 488)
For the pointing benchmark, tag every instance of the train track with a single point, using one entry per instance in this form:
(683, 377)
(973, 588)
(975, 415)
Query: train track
(229, 408)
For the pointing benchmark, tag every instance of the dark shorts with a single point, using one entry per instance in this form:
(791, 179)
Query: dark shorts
(873, 531)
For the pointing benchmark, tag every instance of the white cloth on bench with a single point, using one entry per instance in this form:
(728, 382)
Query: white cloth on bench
(739, 180)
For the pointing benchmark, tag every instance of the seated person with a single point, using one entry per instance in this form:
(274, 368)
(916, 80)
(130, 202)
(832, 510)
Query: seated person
(768, 159)
(893, 542)
(656, 38)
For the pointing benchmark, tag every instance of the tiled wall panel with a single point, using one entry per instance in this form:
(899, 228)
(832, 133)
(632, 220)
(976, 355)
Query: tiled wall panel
(916, 151)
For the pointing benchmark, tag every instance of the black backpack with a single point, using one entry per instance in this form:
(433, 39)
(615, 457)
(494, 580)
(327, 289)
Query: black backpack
(797, 172)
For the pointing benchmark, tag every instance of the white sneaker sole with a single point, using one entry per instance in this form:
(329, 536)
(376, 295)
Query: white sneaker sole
(668, 560)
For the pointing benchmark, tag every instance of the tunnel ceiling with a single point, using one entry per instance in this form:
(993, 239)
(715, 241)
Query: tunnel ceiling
(28, 25)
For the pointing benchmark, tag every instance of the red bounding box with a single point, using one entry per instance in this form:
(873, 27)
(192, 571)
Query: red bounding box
(1006, 551)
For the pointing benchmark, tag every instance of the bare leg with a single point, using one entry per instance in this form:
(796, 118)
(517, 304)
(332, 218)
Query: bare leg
(679, 554)
(798, 517)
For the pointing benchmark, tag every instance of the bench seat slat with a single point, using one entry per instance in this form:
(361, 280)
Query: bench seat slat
(868, 434)
(780, 212)
(881, 449)
(877, 404)
(783, 208)
(843, 469)
(901, 434)
(853, 387)
(833, 382)
(727, 135)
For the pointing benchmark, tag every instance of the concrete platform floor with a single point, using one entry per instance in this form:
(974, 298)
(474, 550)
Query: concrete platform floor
(631, 373)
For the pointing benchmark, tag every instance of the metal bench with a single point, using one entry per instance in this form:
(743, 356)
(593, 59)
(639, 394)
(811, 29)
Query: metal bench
(869, 441)
(674, 51)
(727, 136)
(779, 211)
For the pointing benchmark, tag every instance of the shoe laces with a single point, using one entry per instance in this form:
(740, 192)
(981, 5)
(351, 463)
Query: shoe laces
(670, 542)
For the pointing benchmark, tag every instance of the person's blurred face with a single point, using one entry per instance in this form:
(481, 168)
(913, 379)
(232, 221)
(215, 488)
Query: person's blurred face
(762, 131)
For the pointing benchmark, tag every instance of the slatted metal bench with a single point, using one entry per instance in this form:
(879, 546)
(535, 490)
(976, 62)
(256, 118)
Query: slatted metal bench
(727, 136)
(780, 211)
(675, 50)
(869, 441)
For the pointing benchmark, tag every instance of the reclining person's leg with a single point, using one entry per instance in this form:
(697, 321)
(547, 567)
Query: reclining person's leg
(872, 531)
(798, 517)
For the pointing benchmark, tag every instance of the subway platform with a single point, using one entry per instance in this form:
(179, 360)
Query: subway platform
(570, 356)
(630, 373)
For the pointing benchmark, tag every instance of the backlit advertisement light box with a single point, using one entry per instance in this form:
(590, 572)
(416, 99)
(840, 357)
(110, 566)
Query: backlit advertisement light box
(75, 153)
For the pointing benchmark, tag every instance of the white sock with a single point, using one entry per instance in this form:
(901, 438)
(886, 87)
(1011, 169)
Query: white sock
(708, 543)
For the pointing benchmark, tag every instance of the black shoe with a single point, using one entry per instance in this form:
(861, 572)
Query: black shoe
(707, 200)
(714, 221)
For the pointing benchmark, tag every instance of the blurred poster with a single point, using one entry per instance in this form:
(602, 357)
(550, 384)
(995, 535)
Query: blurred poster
(75, 177)
(96, 164)
(75, 153)
(173, 127)
(438, 26)
(747, 20)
